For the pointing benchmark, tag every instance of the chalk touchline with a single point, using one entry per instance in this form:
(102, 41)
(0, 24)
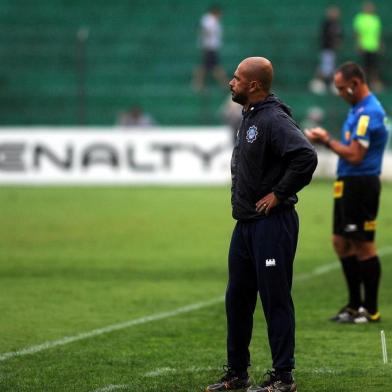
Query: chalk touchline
(158, 316)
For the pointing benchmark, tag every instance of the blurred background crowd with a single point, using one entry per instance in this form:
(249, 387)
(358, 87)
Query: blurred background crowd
(167, 62)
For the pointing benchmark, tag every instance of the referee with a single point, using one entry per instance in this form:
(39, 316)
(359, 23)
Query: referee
(356, 192)
(271, 162)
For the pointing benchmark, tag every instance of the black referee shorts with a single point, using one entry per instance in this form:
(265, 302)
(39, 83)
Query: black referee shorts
(356, 206)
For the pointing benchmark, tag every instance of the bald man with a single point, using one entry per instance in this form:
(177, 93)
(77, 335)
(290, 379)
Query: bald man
(271, 162)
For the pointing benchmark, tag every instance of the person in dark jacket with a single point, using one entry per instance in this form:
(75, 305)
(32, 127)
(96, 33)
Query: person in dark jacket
(271, 162)
(331, 36)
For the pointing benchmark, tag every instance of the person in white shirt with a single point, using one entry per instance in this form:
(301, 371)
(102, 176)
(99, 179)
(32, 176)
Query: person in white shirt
(211, 42)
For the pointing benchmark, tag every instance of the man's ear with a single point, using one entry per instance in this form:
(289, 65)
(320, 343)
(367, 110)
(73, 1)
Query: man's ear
(254, 86)
(354, 84)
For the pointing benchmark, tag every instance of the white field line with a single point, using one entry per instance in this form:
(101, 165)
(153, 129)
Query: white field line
(334, 265)
(108, 329)
(166, 370)
(158, 316)
(158, 372)
(113, 387)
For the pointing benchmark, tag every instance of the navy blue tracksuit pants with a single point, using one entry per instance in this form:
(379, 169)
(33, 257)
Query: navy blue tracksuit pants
(261, 260)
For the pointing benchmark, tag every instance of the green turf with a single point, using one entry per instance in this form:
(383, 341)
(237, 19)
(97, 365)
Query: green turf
(76, 259)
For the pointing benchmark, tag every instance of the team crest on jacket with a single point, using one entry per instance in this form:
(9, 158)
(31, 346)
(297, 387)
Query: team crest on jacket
(251, 134)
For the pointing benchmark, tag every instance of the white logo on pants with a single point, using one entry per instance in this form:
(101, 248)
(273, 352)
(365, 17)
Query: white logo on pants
(270, 263)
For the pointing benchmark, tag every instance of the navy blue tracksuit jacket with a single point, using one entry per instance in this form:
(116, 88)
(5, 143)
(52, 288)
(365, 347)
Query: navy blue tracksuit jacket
(270, 155)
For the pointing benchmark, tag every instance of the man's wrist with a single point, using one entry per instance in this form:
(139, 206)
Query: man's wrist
(327, 143)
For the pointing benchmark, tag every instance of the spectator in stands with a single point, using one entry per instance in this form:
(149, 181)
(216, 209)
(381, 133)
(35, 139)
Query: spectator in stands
(331, 37)
(368, 27)
(211, 41)
(134, 117)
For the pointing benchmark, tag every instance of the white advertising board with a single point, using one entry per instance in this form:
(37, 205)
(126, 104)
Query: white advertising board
(115, 156)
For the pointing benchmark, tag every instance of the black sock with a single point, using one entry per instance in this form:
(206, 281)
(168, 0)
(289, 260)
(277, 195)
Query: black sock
(371, 273)
(352, 273)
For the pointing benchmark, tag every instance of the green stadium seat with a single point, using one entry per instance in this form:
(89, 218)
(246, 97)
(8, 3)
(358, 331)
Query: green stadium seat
(145, 53)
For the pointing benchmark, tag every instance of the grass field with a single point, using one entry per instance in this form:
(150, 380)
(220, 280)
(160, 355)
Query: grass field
(79, 260)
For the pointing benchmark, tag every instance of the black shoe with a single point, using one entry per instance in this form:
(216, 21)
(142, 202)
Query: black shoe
(231, 381)
(345, 315)
(276, 382)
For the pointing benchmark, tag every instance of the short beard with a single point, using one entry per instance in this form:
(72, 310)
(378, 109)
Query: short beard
(240, 98)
